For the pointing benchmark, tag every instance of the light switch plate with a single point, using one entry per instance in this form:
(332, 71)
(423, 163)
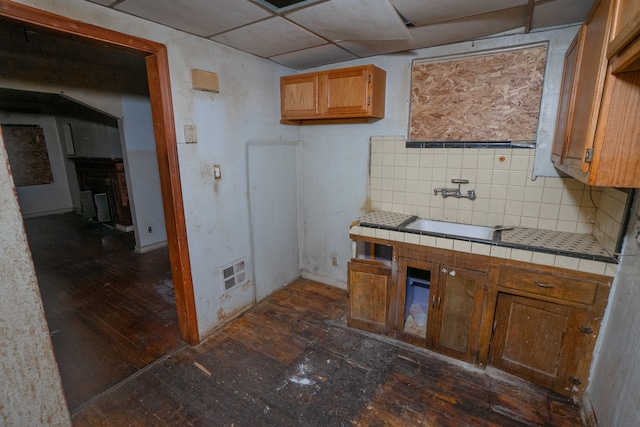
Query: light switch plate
(190, 135)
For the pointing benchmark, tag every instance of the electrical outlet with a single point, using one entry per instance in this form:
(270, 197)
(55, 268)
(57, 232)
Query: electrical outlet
(217, 172)
(334, 260)
(190, 135)
(150, 230)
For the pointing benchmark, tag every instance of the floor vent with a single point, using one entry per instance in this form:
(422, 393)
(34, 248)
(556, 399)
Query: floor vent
(234, 274)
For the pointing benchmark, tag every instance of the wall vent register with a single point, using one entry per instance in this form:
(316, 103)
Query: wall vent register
(234, 274)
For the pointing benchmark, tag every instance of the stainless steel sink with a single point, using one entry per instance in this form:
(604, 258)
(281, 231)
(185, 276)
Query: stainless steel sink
(452, 229)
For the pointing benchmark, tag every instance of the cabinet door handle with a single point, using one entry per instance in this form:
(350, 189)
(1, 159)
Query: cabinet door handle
(450, 273)
(438, 303)
(433, 301)
(545, 285)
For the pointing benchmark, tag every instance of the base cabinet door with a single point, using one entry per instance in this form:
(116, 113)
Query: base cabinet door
(369, 287)
(538, 341)
(440, 307)
(459, 302)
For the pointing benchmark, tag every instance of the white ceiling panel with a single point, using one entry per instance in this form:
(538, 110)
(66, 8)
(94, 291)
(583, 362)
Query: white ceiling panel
(270, 37)
(102, 2)
(200, 17)
(444, 33)
(339, 20)
(549, 13)
(329, 31)
(313, 57)
(420, 12)
(364, 48)
(469, 28)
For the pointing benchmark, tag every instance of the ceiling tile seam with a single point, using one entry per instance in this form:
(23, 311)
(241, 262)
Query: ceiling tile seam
(114, 3)
(303, 49)
(266, 18)
(462, 18)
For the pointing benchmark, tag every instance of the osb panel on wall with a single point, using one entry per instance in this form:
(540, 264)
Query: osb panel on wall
(28, 155)
(493, 97)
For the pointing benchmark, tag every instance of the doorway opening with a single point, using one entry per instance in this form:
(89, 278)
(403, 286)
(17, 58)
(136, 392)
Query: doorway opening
(157, 78)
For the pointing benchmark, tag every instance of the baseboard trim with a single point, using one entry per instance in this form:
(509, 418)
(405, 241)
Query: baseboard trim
(151, 247)
(323, 279)
(125, 228)
(587, 412)
(45, 213)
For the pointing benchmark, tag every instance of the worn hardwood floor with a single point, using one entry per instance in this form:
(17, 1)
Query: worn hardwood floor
(110, 310)
(291, 361)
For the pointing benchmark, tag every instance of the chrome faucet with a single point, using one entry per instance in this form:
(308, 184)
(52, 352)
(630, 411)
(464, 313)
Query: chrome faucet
(455, 192)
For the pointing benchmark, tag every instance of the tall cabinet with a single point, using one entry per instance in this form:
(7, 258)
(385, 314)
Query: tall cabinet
(598, 123)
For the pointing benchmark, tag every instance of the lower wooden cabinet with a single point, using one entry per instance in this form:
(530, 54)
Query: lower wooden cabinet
(369, 285)
(545, 325)
(538, 341)
(439, 306)
(537, 322)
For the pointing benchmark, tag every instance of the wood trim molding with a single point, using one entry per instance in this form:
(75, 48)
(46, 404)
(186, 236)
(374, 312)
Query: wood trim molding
(165, 137)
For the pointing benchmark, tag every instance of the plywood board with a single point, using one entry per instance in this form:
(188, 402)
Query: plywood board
(490, 97)
(28, 155)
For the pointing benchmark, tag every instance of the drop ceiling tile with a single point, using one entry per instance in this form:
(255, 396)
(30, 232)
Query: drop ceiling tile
(338, 20)
(200, 17)
(313, 57)
(102, 2)
(557, 12)
(469, 28)
(419, 12)
(364, 48)
(270, 37)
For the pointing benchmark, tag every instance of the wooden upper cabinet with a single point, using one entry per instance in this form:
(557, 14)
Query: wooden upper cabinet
(562, 132)
(598, 122)
(343, 94)
(624, 47)
(299, 96)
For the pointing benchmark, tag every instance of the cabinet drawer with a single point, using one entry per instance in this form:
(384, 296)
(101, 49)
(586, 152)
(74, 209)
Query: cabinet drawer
(553, 286)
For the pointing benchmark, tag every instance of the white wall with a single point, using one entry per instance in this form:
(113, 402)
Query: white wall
(30, 391)
(143, 177)
(50, 198)
(335, 158)
(273, 191)
(615, 373)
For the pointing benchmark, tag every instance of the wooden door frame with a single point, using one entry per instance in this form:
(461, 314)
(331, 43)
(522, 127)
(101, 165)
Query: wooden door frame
(165, 137)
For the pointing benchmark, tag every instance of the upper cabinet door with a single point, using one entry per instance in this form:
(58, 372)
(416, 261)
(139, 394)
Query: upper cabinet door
(347, 91)
(625, 36)
(563, 123)
(589, 83)
(299, 96)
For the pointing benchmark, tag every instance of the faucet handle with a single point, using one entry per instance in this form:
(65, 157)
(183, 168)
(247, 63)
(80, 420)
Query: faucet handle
(459, 181)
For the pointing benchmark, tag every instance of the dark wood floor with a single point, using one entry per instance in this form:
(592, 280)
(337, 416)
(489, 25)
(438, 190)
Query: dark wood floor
(111, 311)
(292, 361)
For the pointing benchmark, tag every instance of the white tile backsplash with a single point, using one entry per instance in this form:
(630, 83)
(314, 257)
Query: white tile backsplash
(402, 180)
